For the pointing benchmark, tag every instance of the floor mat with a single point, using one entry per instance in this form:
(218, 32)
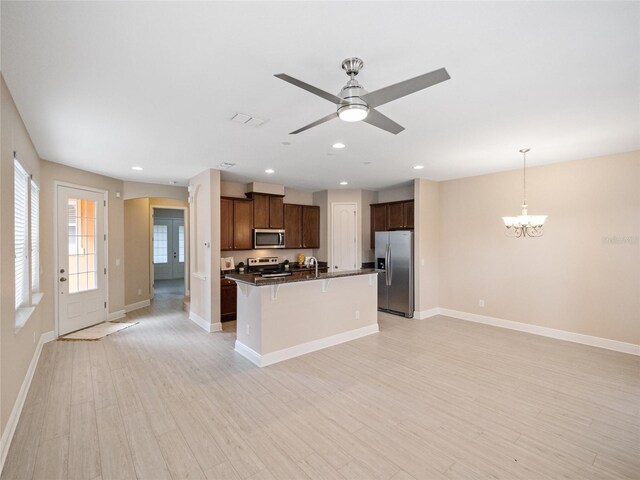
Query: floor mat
(98, 331)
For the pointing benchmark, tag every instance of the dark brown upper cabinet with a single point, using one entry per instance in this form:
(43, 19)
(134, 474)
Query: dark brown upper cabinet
(407, 214)
(391, 216)
(395, 216)
(310, 226)
(267, 210)
(292, 225)
(378, 221)
(242, 224)
(226, 223)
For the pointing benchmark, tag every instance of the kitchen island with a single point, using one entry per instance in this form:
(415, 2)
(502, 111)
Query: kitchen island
(284, 317)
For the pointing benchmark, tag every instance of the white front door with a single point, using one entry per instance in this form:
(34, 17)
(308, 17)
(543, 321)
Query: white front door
(168, 248)
(81, 259)
(344, 236)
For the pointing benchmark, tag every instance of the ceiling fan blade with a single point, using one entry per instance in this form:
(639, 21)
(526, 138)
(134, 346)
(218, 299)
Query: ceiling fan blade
(310, 88)
(316, 123)
(401, 89)
(379, 120)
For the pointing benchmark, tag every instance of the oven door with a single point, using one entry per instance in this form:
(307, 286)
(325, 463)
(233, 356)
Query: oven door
(268, 238)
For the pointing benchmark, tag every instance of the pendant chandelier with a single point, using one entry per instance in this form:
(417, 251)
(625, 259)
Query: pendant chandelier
(524, 225)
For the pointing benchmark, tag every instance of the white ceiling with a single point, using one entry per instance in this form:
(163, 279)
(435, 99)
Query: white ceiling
(104, 86)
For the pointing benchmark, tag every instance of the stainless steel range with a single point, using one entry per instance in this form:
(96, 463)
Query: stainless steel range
(266, 267)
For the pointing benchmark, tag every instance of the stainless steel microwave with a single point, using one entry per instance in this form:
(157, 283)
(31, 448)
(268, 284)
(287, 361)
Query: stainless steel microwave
(268, 238)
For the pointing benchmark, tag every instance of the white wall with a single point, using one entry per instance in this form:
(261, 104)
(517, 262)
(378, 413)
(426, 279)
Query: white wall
(205, 260)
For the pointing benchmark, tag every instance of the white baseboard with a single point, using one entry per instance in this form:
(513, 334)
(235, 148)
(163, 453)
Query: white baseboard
(135, 306)
(116, 315)
(426, 313)
(600, 342)
(203, 324)
(308, 347)
(12, 423)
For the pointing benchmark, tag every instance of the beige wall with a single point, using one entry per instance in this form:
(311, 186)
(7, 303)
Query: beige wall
(368, 197)
(16, 348)
(148, 190)
(582, 276)
(404, 192)
(137, 245)
(426, 245)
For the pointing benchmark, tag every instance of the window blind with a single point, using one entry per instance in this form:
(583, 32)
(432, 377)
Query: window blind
(35, 237)
(21, 185)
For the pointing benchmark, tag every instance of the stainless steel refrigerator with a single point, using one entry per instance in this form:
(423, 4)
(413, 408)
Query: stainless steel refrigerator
(394, 262)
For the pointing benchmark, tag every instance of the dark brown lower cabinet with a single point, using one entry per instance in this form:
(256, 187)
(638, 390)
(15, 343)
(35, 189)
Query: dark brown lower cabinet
(228, 299)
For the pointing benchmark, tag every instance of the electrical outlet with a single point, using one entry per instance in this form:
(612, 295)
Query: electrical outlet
(34, 337)
(117, 262)
(422, 262)
(481, 303)
(357, 314)
(139, 291)
(248, 329)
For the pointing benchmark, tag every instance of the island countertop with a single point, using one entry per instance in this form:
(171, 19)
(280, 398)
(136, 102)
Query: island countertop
(259, 281)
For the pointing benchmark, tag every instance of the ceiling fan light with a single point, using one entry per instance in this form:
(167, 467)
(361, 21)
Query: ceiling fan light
(353, 113)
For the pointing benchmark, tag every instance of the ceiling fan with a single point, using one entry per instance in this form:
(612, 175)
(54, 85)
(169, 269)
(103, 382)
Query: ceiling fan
(356, 104)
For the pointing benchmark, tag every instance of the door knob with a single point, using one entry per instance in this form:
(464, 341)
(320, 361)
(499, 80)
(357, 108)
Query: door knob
(63, 279)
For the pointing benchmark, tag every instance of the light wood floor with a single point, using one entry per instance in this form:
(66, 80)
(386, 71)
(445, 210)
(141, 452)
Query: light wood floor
(431, 399)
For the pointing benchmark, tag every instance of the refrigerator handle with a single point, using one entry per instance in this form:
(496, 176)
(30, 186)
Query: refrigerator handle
(389, 266)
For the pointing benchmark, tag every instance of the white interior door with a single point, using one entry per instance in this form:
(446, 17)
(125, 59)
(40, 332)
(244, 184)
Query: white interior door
(344, 236)
(81, 259)
(168, 248)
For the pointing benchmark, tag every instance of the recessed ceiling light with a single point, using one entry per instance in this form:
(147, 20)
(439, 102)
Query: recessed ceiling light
(344, 182)
(338, 145)
(269, 170)
(136, 168)
(366, 163)
(286, 143)
(418, 167)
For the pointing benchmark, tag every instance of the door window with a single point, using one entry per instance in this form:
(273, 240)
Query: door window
(83, 263)
(160, 246)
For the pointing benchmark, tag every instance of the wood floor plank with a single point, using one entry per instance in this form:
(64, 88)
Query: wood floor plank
(52, 459)
(180, 461)
(21, 458)
(84, 449)
(115, 456)
(145, 451)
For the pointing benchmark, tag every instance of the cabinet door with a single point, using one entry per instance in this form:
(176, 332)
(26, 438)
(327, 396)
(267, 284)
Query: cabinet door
(310, 226)
(292, 226)
(394, 216)
(226, 224)
(228, 299)
(276, 212)
(407, 214)
(260, 211)
(378, 222)
(242, 224)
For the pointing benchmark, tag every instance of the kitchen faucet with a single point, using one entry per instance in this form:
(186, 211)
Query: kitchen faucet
(315, 260)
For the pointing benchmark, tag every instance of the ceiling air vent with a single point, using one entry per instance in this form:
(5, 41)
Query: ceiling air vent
(247, 120)
(225, 165)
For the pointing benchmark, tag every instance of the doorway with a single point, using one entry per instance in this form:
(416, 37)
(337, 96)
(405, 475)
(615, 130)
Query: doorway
(81, 257)
(168, 251)
(344, 251)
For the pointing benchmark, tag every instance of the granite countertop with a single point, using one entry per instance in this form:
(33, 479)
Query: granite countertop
(259, 281)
